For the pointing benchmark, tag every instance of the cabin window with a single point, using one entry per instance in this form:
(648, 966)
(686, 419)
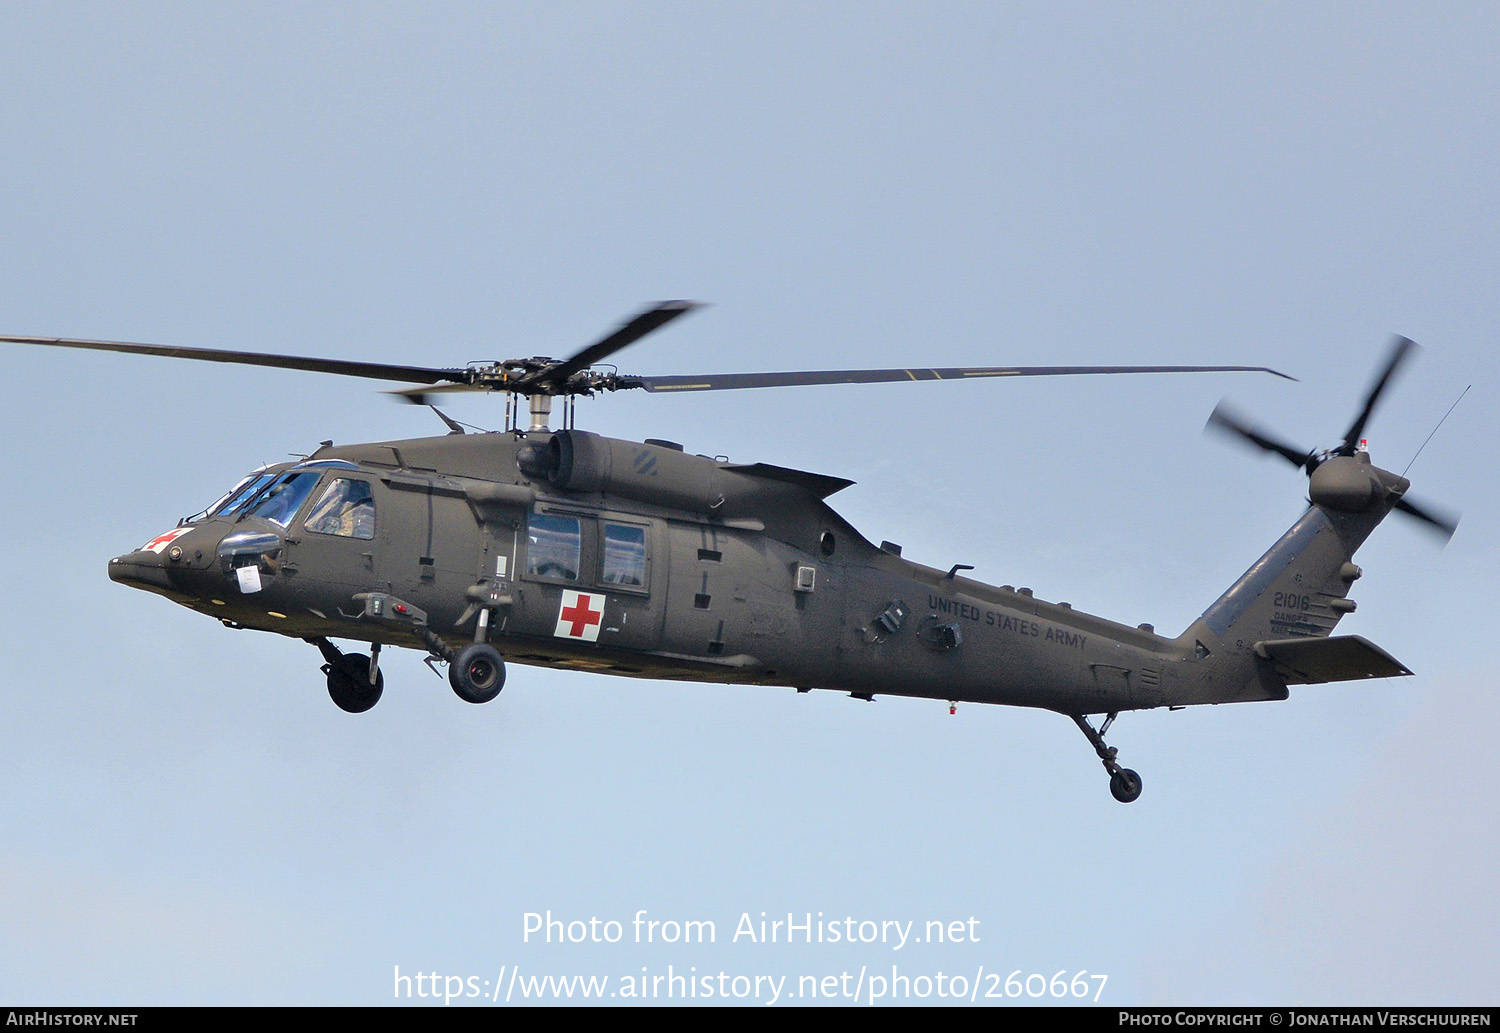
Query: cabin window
(346, 509)
(624, 556)
(554, 546)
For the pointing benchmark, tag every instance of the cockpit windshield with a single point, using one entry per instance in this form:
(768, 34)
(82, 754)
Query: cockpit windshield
(243, 492)
(252, 490)
(233, 498)
(281, 499)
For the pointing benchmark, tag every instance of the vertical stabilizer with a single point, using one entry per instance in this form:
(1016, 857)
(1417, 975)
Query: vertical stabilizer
(1298, 590)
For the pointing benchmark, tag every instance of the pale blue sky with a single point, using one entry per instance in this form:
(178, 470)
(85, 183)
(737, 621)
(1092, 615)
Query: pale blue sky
(187, 817)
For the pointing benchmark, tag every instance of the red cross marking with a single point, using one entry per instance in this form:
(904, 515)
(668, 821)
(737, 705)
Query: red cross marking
(580, 616)
(161, 541)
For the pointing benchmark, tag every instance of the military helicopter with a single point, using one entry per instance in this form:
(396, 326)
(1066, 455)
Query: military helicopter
(565, 548)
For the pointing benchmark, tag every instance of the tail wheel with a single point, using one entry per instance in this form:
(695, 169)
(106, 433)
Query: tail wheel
(477, 673)
(1125, 785)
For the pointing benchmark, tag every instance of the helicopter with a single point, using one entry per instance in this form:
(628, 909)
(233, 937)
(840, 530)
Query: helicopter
(568, 549)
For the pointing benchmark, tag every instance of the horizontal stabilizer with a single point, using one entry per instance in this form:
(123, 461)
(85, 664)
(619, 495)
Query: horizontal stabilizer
(1311, 661)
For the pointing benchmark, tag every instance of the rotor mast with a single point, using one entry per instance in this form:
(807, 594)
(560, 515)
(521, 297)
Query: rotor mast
(541, 411)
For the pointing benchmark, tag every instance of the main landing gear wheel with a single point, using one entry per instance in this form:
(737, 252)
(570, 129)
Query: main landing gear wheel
(1124, 784)
(477, 673)
(349, 683)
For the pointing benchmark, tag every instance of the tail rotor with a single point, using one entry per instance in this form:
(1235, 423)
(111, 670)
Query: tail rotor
(1339, 485)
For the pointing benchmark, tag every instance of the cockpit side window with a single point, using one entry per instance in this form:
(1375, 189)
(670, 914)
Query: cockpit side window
(281, 500)
(554, 546)
(346, 509)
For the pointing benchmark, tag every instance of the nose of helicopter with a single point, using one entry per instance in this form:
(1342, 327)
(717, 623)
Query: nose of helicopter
(140, 569)
(165, 564)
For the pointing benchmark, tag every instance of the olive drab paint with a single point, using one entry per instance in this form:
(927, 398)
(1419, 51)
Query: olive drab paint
(573, 550)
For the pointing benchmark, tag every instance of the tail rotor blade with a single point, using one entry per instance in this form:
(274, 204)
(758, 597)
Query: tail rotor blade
(1438, 522)
(1226, 421)
(1401, 349)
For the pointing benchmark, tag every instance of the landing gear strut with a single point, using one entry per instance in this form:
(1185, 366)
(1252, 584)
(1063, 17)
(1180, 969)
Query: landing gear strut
(1124, 784)
(355, 681)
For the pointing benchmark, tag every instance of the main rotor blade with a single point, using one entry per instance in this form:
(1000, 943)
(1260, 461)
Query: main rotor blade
(737, 381)
(423, 395)
(1401, 348)
(654, 318)
(1227, 421)
(342, 367)
(1441, 524)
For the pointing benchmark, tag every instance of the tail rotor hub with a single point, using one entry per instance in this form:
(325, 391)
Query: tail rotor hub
(1343, 477)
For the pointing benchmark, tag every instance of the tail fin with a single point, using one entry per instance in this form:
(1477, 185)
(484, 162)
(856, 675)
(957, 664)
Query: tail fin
(1299, 587)
(1298, 590)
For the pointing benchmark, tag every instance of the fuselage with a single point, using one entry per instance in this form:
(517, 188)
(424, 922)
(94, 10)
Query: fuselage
(578, 551)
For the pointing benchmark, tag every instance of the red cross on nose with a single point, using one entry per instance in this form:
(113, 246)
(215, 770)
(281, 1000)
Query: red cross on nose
(161, 541)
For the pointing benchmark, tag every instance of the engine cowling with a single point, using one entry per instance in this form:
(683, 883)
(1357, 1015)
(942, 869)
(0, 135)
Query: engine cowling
(576, 460)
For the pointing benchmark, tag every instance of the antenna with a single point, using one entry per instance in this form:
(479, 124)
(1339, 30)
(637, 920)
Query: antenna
(1460, 398)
